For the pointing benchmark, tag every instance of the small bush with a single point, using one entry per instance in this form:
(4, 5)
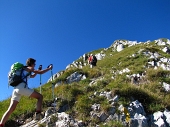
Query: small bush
(94, 73)
(83, 106)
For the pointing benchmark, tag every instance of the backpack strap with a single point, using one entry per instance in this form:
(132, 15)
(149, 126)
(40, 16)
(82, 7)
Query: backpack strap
(25, 75)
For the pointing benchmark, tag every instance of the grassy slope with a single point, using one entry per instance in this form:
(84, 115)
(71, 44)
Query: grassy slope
(149, 94)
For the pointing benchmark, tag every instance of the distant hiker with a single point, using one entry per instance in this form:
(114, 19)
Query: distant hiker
(88, 59)
(22, 89)
(92, 60)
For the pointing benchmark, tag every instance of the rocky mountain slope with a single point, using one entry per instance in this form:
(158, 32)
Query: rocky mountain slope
(128, 87)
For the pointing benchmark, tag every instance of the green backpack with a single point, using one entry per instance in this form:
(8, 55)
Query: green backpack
(15, 74)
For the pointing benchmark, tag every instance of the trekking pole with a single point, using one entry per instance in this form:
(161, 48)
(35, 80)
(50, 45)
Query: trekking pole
(52, 83)
(40, 68)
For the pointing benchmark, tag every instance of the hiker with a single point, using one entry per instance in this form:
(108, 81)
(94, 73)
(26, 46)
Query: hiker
(92, 60)
(88, 59)
(23, 89)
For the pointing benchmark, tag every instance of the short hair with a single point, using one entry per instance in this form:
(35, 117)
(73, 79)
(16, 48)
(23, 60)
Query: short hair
(30, 61)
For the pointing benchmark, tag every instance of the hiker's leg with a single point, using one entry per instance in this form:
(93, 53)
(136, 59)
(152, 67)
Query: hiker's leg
(91, 65)
(11, 108)
(39, 98)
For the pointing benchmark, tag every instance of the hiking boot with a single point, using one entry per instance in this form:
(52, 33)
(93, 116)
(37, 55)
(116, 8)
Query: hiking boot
(38, 116)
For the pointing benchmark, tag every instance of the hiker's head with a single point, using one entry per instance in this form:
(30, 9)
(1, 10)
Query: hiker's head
(30, 61)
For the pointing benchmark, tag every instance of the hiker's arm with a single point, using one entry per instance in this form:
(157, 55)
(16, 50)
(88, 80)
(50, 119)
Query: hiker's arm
(41, 71)
(31, 69)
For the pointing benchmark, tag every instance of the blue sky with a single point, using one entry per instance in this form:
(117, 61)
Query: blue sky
(60, 31)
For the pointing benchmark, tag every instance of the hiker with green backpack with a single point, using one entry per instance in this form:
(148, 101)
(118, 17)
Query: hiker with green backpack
(19, 82)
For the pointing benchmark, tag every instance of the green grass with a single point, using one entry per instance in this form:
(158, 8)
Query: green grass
(77, 95)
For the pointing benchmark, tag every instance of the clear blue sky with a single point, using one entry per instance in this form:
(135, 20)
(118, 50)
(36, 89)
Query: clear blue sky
(60, 31)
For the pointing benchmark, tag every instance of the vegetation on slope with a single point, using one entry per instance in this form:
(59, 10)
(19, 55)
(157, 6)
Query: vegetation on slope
(76, 95)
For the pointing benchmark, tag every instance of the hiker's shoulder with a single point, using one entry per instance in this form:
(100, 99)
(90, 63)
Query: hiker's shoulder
(29, 68)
